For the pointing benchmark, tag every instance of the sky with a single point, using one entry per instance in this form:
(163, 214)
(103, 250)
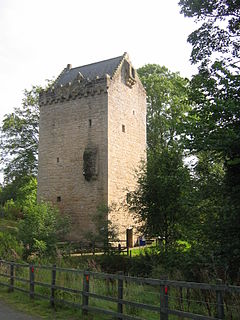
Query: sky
(39, 38)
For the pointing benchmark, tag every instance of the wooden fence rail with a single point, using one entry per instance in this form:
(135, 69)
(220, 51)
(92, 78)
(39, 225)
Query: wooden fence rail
(163, 308)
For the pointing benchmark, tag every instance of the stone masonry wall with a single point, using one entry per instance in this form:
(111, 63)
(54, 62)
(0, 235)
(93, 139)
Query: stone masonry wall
(126, 143)
(66, 129)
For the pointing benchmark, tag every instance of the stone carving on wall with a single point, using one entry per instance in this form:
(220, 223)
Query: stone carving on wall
(129, 74)
(90, 163)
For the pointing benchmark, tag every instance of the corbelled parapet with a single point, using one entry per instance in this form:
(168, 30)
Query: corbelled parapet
(80, 87)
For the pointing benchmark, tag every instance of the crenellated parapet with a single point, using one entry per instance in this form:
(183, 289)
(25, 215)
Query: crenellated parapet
(78, 88)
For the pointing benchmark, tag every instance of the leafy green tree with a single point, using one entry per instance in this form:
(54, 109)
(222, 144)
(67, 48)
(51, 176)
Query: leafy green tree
(206, 200)
(40, 229)
(19, 138)
(9, 191)
(214, 122)
(18, 194)
(27, 193)
(219, 32)
(167, 99)
(160, 199)
(159, 202)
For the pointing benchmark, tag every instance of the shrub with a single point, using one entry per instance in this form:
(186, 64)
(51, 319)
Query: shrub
(40, 230)
(10, 249)
(11, 210)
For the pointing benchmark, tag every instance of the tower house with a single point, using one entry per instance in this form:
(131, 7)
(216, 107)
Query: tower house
(92, 136)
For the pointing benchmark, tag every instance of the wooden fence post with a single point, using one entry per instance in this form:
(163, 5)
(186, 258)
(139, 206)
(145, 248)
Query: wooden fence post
(11, 277)
(164, 301)
(85, 291)
(220, 305)
(31, 282)
(53, 285)
(120, 292)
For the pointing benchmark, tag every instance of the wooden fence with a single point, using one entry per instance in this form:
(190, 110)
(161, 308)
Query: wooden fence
(120, 296)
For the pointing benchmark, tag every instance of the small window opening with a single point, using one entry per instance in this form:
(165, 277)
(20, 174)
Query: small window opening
(133, 73)
(59, 199)
(90, 122)
(123, 128)
(133, 112)
(57, 160)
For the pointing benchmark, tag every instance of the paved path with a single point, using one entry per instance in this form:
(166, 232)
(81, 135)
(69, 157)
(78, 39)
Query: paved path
(7, 313)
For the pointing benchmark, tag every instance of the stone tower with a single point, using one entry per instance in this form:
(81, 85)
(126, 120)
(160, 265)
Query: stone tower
(92, 137)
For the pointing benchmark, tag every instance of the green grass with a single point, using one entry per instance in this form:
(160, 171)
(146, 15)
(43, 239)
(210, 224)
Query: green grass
(8, 225)
(41, 308)
(146, 294)
(140, 293)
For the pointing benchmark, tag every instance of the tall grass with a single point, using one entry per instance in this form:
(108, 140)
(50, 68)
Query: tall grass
(197, 301)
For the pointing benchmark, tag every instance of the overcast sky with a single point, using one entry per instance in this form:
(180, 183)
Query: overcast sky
(39, 38)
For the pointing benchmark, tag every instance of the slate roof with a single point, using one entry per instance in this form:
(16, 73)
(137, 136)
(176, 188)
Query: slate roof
(90, 71)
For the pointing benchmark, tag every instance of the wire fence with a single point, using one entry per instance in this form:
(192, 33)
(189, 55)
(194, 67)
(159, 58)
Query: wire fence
(122, 297)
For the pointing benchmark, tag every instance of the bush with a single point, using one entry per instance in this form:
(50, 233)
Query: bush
(11, 210)
(40, 229)
(10, 249)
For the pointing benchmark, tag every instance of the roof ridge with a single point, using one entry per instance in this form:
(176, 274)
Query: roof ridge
(92, 70)
(89, 64)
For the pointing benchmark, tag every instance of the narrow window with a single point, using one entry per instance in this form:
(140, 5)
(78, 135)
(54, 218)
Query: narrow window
(90, 122)
(57, 160)
(59, 199)
(133, 112)
(133, 73)
(123, 128)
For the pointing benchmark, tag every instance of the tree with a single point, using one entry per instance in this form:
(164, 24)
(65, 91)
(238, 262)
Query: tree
(206, 199)
(19, 138)
(219, 32)
(214, 122)
(167, 102)
(159, 202)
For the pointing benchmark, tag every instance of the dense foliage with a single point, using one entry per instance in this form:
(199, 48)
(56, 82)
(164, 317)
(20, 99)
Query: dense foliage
(160, 200)
(219, 33)
(40, 229)
(213, 126)
(19, 138)
(167, 105)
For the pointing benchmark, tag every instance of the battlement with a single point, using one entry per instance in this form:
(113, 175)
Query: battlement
(80, 87)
